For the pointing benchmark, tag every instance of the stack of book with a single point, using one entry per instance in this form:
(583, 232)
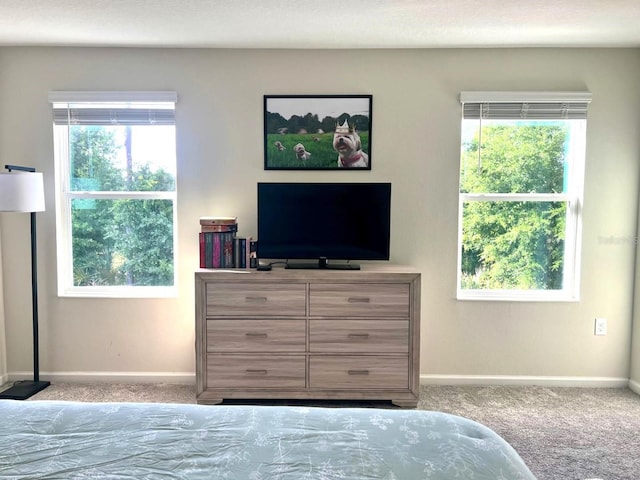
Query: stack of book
(219, 245)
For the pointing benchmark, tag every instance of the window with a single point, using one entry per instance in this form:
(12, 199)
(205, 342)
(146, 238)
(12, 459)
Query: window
(520, 201)
(115, 168)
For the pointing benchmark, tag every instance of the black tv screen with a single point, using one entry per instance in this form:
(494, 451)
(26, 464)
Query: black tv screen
(323, 221)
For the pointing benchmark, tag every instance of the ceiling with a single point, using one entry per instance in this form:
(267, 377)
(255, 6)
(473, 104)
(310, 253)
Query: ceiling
(321, 24)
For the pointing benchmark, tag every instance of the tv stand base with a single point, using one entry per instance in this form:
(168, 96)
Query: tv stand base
(322, 263)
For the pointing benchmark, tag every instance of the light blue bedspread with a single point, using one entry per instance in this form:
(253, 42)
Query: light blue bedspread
(47, 440)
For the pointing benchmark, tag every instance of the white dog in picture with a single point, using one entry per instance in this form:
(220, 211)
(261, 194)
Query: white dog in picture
(346, 142)
(301, 152)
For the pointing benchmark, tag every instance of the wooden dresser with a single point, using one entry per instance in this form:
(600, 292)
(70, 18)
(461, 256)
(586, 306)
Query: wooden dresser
(308, 334)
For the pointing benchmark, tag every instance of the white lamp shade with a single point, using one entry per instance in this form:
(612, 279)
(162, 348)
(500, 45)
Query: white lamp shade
(21, 192)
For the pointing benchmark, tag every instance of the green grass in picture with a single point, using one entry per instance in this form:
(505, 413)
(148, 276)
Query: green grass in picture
(322, 153)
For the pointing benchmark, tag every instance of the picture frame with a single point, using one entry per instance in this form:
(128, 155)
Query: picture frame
(317, 132)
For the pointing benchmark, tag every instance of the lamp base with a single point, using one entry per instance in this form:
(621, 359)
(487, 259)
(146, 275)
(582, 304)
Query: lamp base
(23, 389)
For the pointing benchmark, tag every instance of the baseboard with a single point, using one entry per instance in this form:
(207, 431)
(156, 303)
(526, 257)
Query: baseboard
(585, 382)
(189, 378)
(176, 378)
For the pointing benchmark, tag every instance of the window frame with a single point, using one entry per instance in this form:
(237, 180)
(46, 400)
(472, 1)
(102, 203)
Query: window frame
(64, 197)
(573, 197)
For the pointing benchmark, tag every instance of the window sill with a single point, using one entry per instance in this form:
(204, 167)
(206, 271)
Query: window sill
(516, 296)
(119, 292)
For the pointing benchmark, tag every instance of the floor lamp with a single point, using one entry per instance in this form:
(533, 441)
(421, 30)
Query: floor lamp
(22, 190)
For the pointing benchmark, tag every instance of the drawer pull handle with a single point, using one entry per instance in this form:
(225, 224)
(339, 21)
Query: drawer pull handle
(256, 372)
(256, 335)
(358, 300)
(256, 299)
(358, 335)
(358, 372)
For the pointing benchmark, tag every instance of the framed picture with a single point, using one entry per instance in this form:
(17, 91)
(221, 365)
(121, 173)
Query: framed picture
(317, 132)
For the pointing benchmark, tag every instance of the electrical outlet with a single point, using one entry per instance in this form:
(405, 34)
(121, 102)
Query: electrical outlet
(601, 326)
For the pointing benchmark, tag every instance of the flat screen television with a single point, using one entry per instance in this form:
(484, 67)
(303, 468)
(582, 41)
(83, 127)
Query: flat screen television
(320, 222)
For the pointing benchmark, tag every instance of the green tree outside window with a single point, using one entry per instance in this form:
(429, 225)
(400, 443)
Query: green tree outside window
(512, 245)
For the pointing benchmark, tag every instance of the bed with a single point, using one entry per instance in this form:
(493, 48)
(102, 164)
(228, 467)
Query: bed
(55, 439)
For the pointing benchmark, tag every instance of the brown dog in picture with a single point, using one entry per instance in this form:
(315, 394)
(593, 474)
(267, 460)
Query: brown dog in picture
(346, 142)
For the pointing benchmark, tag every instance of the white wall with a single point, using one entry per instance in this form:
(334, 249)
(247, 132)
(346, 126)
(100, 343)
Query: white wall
(3, 343)
(634, 375)
(416, 128)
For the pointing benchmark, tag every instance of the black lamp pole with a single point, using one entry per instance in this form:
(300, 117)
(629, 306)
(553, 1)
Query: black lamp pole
(24, 389)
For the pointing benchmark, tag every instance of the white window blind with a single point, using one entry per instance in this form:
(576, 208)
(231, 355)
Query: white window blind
(113, 108)
(112, 116)
(525, 105)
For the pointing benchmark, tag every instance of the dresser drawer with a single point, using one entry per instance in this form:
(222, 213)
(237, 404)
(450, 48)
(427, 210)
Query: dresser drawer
(371, 300)
(359, 336)
(256, 299)
(358, 372)
(255, 371)
(257, 335)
